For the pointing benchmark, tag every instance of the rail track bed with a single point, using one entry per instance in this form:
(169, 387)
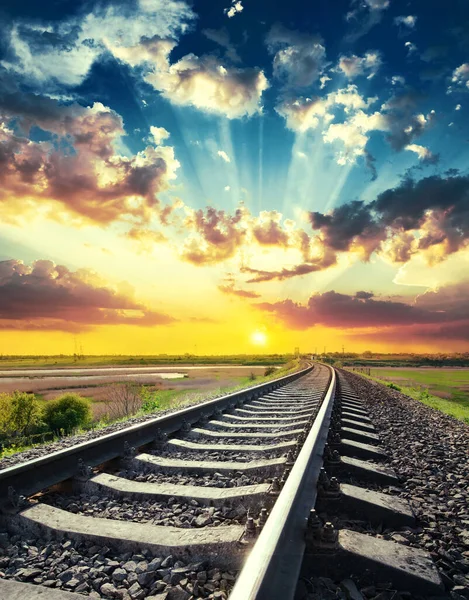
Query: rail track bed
(175, 520)
(395, 484)
(292, 489)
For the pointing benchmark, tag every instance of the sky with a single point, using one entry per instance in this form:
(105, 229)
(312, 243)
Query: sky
(234, 176)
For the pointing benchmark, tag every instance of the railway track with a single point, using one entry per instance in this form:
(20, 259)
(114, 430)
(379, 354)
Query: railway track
(212, 501)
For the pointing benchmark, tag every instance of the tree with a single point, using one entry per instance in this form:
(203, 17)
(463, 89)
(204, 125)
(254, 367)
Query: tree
(67, 413)
(20, 414)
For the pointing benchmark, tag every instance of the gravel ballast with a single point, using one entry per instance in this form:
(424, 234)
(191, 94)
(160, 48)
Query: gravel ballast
(430, 453)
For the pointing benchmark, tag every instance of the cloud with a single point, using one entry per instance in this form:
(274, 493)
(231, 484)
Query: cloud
(332, 309)
(429, 216)
(411, 48)
(364, 17)
(222, 38)
(397, 80)
(448, 302)
(461, 75)
(235, 8)
(222, 154)
(158, 134)
(299, 58)
(260, 275)
(349, 226)
(216, 235)
(303, 114)
(81, 169)
(145, 239)
(48, 296)
(202, 82)
(423, 153)
(457, 107)
(409, 21)
(229, 288)
(353, 66)
(62, 52)
(396, 118)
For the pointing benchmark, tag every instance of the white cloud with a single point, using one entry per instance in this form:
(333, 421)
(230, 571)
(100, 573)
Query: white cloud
(323, 80)
(299, 59)
(423, 153)
(236, 7)
(408, 21)
(461, 75)
(227, 188)
(63, 52)
(303, 114)
(353, 134)
(397, 80)
(158, 134)
(301, 154)
(457, 107)
(411, 48)
(222, 154)
(353, 66)
(202, 82)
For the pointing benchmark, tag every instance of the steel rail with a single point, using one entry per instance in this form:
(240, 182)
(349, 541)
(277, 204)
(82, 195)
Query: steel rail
(40, 473)
(272, 568)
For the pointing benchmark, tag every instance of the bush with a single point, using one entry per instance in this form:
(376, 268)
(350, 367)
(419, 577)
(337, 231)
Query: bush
(252, 377)
(269, 371)
(66, 413)
(393, 386)
(151, 401)
(20, 414)
(123, 400)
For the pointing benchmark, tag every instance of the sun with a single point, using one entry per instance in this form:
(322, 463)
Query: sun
(259, 338)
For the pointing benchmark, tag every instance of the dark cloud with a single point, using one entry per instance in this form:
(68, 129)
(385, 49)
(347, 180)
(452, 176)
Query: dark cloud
(437, 207)
(49, 296)
(363, 310)
(347, 224)
(285, 273)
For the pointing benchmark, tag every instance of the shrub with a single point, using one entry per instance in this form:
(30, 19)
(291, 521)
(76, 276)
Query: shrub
(393, 386)
(20, 414)
(151, 401)
(123, 400)
(252, 377)
(67, 413)
(269, 371)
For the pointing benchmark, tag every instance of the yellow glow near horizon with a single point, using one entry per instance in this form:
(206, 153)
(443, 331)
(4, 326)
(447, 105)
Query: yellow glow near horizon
(259, 338)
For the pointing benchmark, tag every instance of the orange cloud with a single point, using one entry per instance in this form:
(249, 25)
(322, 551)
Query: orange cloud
(45, 296)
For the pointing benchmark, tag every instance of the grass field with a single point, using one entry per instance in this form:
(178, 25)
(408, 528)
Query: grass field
(14, 362)
(443, 388)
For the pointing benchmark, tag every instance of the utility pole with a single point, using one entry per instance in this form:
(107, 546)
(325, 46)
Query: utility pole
(343, 351)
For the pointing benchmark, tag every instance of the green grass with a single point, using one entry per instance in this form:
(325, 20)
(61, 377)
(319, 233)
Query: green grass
(140, 360)
(429, 385)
